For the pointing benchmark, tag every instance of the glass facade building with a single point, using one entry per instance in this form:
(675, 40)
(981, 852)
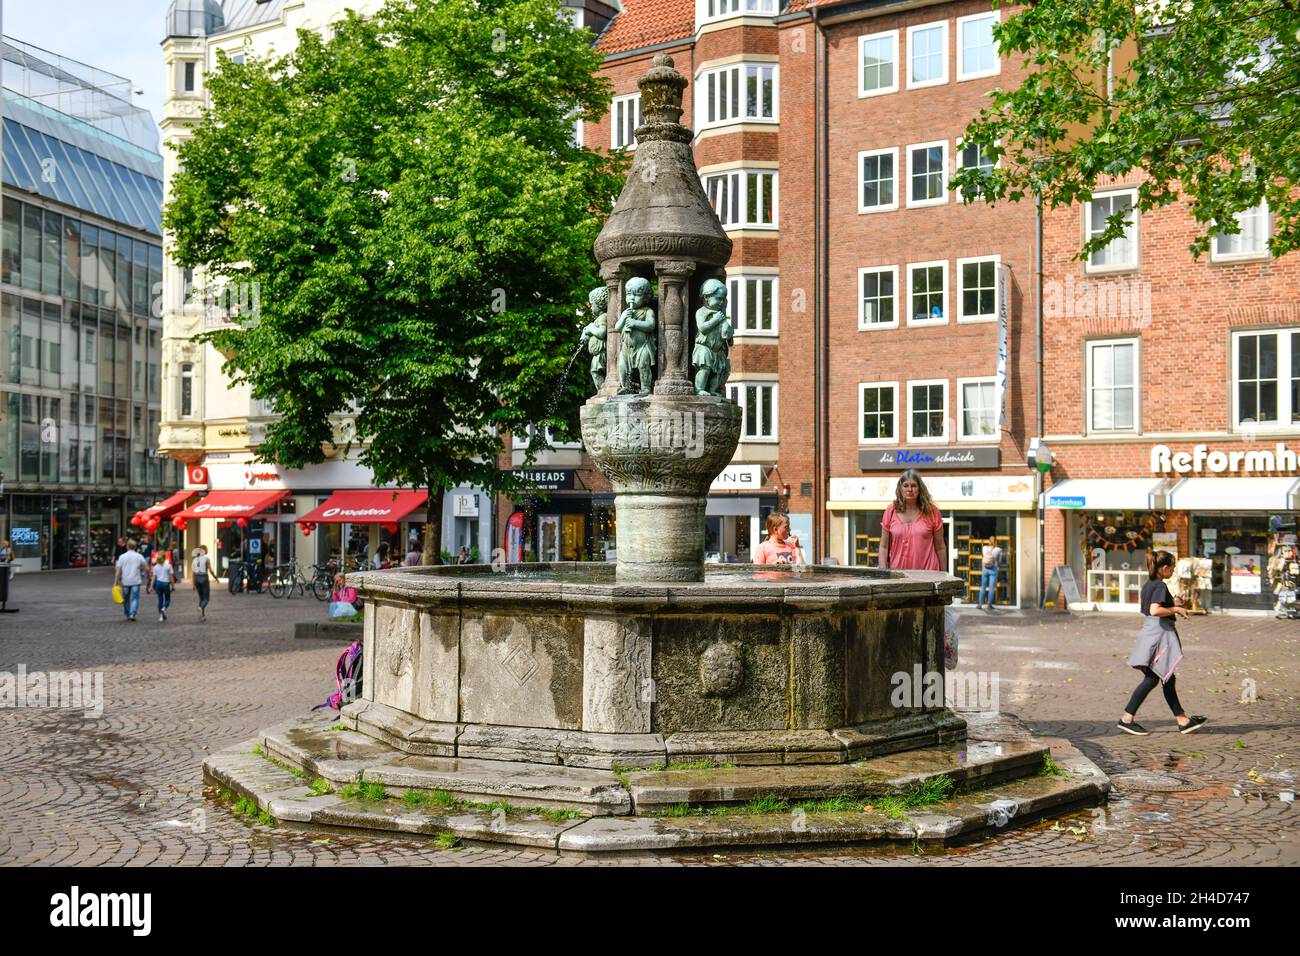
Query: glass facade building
(80, 330)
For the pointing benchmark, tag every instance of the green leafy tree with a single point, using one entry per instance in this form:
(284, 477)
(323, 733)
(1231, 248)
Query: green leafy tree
(1202, 95)
(408, 202)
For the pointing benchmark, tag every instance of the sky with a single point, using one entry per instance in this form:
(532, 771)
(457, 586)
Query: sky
(120, 36)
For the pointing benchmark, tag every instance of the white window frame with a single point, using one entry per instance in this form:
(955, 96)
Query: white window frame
(519, 442)
(738, 179)
(744, 418)
(961, 408)
(740, 8)
(614, 126)
(737, 78)
(738, 300)
(1284, 409)
(911, 32)
(1261, 209)
(863, 40)
(962, 317)
(1090, 346)
(962, 72)
(863, 324)
(862, 412)
(911, 315)
(1089, 266)
(943, 175)
(957, 164)
(932, 440)
(892, 152)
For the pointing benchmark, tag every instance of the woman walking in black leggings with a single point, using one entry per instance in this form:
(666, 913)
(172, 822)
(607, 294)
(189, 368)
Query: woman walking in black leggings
(1158, 650)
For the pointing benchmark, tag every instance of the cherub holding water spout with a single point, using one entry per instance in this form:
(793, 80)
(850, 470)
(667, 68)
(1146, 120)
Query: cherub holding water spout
(636, 347)
(593, 333)
(713, 339)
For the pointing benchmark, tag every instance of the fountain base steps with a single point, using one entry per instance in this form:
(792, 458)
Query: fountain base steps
(308, 774)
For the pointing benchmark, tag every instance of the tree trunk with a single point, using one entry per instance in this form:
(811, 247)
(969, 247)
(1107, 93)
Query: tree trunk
(433, 529)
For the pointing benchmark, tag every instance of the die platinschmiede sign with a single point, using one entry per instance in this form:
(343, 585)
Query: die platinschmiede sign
(882, 459)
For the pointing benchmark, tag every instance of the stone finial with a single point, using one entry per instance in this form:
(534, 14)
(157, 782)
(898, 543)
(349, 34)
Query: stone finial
(661, 99)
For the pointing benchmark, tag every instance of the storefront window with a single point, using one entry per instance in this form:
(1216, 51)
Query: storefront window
(1113, 549)
(864, 538)
(970, 536)
(1238, 547)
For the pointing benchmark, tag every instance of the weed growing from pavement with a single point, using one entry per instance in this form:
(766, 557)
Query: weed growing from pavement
(361, 790)
(320, 787)
(700, 765)
(446, 841)
(340, 726)
(443, 800)
(1051, 768)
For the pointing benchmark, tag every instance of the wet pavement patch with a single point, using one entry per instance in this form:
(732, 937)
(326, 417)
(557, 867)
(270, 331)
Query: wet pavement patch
(1155, 781)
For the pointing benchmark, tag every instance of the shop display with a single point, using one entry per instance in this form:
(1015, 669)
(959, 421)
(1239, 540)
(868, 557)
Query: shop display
(1284, 576)
(1193, 579)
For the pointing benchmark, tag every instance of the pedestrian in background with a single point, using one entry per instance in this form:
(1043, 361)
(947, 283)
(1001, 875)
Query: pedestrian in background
(414, 556)
(120, 549)
(990, 567)
(780, 546)
(146, 551)
(380, 560)
(163, 576)
(202, 584)
(131, 571)
(911, 529)
(1158, 650)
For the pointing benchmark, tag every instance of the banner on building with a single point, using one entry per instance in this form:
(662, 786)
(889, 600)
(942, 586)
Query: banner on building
(1000, 395)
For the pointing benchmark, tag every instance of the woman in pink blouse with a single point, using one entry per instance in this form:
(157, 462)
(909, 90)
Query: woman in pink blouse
(911, 530)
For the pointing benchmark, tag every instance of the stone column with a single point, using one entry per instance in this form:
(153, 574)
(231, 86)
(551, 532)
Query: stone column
(612, 273)
(674, 376)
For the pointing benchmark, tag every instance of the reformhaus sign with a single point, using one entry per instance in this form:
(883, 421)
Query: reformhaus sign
(1202, 458)
(898, 459)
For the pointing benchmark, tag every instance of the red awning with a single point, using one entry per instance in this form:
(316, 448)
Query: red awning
(232, 504)
(371, 506)
(165, 508)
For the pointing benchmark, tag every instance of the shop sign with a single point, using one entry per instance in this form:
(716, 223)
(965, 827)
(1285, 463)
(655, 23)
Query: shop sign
(196, 475)
(464, 506)
(25, 536)
(1202, 458)
(739, 478)
(545, 480)
(1012, 489)
(897, 459)
(1066, 501)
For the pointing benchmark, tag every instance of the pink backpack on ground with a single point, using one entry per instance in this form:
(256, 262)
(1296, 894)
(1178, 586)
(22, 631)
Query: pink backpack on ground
(347, 675)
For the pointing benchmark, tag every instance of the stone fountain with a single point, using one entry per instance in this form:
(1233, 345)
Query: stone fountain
(613, 691)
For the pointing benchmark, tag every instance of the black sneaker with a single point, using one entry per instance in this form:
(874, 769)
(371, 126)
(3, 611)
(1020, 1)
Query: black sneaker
(1192, 724)
(1136, 729)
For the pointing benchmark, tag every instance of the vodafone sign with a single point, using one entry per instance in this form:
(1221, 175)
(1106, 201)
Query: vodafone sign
(196, 475)
(356, 512)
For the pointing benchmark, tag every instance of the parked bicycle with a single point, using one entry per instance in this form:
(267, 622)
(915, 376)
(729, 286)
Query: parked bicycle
(245, 576)
(285, 579)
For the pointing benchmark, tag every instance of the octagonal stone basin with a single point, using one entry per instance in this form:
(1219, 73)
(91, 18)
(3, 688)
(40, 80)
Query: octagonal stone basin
(560, 663)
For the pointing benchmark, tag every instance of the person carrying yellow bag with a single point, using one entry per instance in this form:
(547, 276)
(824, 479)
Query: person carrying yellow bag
(117, 594)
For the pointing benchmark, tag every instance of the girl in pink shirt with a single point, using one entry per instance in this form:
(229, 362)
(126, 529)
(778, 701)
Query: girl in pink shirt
(911, 529)
(781, 547)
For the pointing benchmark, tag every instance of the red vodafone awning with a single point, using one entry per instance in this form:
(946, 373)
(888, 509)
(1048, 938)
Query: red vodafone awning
(371, 506)
(164, 508)
(232, 504)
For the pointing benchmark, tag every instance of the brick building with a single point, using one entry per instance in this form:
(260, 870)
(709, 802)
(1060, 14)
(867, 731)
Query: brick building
(1171, 400)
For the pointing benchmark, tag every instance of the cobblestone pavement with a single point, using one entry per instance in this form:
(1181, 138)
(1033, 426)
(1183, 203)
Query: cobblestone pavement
(126, 788)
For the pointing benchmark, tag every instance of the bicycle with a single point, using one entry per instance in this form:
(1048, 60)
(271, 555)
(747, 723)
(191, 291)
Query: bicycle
(322, 582)
(285, 579)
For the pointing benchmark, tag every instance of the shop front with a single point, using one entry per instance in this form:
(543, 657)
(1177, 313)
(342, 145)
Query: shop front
(975, 509)
(736, 514)
(564, 523)
(1238, 524)
(65, 531)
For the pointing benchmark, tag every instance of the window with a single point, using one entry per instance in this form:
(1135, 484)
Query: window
(745, 91)
(1267, 378)
(928, 293)
(977, 54)
(878, 304)
(879, 180)
(188, 84)
(743, 197)
(1112, 385)
(878, 412)
(927, 174)
(757, 403)
(927, 55)
(977, 410)
(715, 9)
(1120, 253)
(878, 53)
(753, 304)
(977, 289)
(625, 113)
(187, 391)
(927, 418)
(974, 156)
(1251, 242)
(519, 440)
